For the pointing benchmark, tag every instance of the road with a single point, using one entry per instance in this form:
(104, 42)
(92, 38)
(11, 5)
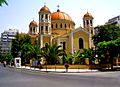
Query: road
(10, 77)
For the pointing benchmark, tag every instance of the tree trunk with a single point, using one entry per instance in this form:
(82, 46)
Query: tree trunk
(111, 60)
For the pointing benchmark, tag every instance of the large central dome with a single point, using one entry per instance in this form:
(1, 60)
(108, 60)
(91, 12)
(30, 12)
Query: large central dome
(60, 16)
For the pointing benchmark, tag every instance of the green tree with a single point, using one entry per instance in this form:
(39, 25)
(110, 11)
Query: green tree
(77, 57)
(52, 53)
(7, 57)
(30, 51)
(90, 54)
(102, 52)
(106, 43)
(113, 51)
(117, 42)
(107, 50)
(106, 33)
(17, 43)
(3, 2)
(26, 50)
(36, 52)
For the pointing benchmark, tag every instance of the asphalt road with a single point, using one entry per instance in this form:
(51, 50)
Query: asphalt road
(10, 77)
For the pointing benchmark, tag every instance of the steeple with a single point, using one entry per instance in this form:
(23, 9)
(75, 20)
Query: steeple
(44, 25)
(88, 20)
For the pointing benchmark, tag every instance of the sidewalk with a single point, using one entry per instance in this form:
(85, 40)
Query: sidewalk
(60, 70)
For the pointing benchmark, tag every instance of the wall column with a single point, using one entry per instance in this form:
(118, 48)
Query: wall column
(89, 40)
(51, 39)
(58, 42)
(71, 39)
(41, 41)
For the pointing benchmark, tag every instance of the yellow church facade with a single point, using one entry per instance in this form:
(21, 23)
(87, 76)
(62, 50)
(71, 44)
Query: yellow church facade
(58, 27)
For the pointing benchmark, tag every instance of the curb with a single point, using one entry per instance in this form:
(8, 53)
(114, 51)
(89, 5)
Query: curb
(57, 70)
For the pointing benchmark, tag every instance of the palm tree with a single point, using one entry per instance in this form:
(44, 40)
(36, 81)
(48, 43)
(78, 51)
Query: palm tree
(36, 52)
(3, 2)
(77, 58)
(30, 51)
(52, 53)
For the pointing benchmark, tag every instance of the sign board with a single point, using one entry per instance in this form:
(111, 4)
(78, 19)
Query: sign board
(17, 62)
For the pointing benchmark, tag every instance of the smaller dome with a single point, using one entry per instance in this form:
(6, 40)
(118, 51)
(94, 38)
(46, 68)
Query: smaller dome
(88, 15)
(45, 8)
(33, 23)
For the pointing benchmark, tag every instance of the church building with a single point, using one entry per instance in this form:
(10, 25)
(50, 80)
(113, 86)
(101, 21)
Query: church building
(58, 27)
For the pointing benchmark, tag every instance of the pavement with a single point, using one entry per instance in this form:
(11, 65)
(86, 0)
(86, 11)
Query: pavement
(59, 70)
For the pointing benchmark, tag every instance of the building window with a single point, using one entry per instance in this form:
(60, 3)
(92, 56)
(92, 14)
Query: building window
(91, 31)
(87, 22)
(41, 17)
(69, 25)
(91, 22)
(52, 26)
(56, 26)
(81, 43)
(34, 29)
(65, 25)
(84, 23)
(46, 29)
(41, 29)
(46, 16)
(60, 25)
(64, 45)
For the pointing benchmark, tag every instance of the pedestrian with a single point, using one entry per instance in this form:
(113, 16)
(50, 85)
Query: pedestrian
(4, 63)
(66, 66)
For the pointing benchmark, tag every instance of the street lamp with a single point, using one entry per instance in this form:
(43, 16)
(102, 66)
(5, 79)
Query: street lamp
(96, 58)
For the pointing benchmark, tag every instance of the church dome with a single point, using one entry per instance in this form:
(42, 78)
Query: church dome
(45, 8)
(34, 23)
(60, 16)
(88, 15)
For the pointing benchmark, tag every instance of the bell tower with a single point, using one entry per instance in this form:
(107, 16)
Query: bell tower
(45, 26)
(33, 28)
(88, 26)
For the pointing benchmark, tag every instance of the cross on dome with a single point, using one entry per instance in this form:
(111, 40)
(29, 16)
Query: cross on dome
(58, 8)
(44, 3)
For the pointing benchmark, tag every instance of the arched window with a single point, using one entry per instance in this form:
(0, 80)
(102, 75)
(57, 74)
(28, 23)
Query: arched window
(34, 29)
(46, 28)
(65, 25)
(41, 29)
(81, 43)
(87, 22)
(60, 25)
(56, 26)
(84, 23)
(41, 17)
(91, 31)
(64, 45)
(46, 16)
(91, 22)
(69, 25)
(52, 26)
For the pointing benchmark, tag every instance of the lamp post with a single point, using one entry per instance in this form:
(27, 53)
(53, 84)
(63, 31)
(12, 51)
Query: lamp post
(96, 58)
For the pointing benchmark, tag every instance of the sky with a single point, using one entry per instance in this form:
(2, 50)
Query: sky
(19, 13)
